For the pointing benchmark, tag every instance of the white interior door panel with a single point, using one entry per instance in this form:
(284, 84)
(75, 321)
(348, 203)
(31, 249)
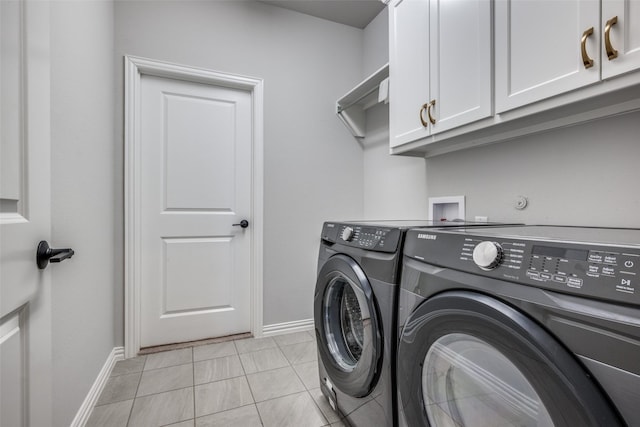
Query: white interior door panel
(195, 184)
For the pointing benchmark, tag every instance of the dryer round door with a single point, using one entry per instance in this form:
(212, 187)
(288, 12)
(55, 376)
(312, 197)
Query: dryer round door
(347, 326)
(467, 359)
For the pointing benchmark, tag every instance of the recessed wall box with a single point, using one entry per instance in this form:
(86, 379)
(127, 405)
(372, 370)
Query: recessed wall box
(449, 208)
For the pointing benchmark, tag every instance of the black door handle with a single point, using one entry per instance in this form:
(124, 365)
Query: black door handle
(244, 224)
(46, 254)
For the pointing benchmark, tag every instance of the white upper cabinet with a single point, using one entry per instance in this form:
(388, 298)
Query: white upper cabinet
(408, 70)
(464, 73)
(460, 65)
(439, 66)
(621, 34)
(541, 46)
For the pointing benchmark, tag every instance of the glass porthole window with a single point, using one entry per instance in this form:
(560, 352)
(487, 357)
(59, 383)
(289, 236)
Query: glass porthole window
(344, 323)
(348, 330)
(468, 382)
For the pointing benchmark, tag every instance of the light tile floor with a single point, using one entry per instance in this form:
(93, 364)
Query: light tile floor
(249, 382)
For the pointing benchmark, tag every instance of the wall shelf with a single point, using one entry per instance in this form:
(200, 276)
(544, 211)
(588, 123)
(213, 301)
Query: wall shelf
(352, 106)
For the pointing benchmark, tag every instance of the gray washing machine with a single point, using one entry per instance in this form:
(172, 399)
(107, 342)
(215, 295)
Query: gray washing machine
(355, 316)
(526, 326)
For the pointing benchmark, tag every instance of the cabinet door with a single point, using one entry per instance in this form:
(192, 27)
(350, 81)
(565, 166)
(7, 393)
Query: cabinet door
(408, 69)
(624, 36)
(538, 49)
(460, 65)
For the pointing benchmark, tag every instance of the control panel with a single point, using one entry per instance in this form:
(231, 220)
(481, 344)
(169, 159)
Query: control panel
(608, 272)
(573, 267)
(379, 239)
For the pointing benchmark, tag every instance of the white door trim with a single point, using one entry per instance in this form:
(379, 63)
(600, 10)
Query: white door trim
(135, 67)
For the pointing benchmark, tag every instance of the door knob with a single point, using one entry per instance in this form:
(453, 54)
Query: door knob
(244, 224)
(46, 254)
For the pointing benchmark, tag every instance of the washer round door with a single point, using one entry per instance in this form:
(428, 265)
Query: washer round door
(467, 359)
(347, 326)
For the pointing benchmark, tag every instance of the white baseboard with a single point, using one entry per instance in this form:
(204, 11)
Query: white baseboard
(96, 389)
(287, 327)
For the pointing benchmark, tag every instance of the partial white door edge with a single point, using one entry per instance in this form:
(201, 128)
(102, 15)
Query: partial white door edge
(135, 67)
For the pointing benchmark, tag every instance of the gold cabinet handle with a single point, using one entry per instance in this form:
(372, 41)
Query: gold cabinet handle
(429, 105)
(611, 52)
(588, 62)
(422, 120)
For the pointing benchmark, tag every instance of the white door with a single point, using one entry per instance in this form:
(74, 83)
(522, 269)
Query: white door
(460, 65)
(408, 71)
(196, 165)
(25, 294)
(623, 17)
(538, 49)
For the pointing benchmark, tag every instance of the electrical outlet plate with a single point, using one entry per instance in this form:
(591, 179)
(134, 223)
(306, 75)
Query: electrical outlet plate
(449, 208)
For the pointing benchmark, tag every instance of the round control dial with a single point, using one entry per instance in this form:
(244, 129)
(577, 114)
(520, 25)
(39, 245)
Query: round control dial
(487, 255)
(347, 234)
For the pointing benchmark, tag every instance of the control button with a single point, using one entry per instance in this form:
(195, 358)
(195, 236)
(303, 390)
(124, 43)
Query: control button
(594, 268)
(347, 234)
(628, 263)
(608, 271)
(610, 259)
(574, 282)
(533, 274)
(487, 255)
(595, 257)
(545, 276)
(559, 279)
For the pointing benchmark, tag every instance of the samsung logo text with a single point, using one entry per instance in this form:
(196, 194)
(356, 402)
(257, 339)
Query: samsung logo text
(427, 236)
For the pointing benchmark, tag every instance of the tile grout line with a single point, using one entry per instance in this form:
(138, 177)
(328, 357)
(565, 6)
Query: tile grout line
(135, 396)
(167, 367)
(193, 387)
(314, 402)
(162, 392)
(244, 375)
(328, 423)
(158, 369)
(255, 404)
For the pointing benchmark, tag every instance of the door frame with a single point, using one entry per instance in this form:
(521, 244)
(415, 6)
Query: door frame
(134, 68)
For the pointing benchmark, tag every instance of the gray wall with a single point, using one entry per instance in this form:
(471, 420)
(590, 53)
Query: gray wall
(85, 161)
(313, 168)
(394, 186)
(376, 43)
(582, 175)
